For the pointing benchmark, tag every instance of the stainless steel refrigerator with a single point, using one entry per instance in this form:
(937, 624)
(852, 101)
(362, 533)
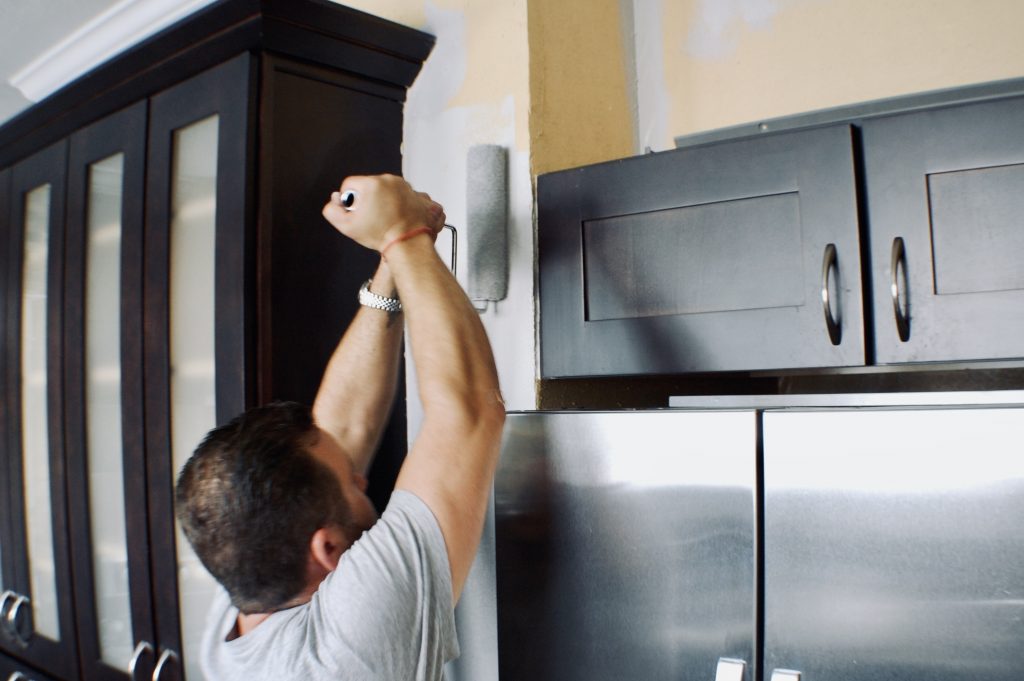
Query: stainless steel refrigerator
(760, 540)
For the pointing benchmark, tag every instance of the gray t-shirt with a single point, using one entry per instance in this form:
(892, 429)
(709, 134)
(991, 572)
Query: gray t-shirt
(385, 614)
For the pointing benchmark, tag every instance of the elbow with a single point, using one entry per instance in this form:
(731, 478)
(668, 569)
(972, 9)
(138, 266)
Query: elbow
(478, 415)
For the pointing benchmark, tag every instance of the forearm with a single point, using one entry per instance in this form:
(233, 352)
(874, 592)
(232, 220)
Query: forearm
(359, 384)
(454, 364)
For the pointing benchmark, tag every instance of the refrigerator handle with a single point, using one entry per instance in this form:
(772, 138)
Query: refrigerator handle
(730, 670)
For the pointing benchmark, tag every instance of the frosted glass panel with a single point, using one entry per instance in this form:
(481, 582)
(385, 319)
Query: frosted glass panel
(103, 411)
(193, 407)
(35, 415)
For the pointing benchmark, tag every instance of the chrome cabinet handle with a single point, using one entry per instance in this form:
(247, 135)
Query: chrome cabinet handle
(730, 670)
(12, 620)
(144, 647)
(829, 262)
(897, 265)
(5, 601)
(168, 654)
(17, 676)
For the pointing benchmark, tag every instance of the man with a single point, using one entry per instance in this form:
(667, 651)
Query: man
(274, 501)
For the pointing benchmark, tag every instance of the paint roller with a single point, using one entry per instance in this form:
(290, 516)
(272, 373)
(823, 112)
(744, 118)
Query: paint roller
(487, 223)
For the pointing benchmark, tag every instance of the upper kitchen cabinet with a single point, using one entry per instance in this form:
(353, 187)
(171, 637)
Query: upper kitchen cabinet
(945, 199)
(731, 256)
(165, 266)
(745, 251)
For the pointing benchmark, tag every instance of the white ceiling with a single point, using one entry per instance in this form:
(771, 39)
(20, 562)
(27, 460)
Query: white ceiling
(28, 28)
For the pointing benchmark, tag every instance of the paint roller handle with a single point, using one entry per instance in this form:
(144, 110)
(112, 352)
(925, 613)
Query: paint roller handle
(455, 245)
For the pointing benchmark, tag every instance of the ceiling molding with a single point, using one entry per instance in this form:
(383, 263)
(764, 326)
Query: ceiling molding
(96, 41)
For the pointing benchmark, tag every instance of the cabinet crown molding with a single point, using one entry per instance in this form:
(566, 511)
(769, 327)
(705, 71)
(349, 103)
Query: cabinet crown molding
(109, 33)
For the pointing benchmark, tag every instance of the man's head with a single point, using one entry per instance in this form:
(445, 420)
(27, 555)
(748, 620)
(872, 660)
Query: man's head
(251, 498)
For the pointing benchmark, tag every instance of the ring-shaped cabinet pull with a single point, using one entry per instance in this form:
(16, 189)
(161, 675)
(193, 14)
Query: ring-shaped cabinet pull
(167, 655)
(830, 262)
(5, 602)
(898, 268)
(143, 647)
(22, 632)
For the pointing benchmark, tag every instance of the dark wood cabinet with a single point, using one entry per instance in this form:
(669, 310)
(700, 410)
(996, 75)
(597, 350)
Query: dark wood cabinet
(892, 239)
(188, 274)
(705, 259)
(945, 198)
(39, 616)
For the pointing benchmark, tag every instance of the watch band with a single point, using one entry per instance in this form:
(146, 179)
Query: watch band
(371, 299)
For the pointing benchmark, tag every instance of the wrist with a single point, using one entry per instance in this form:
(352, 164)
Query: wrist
(403, 238)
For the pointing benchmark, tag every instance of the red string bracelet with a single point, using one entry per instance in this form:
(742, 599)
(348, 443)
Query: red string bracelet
(402, 237)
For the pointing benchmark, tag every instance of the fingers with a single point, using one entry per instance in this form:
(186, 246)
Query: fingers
(374, 209)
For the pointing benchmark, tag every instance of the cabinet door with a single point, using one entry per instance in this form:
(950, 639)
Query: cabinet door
(703, 259)
(6, 565)
(624, 546)
(10, 670)
(892, 544)
(197, 317)
(103, 358)
(43, 610)
(945, 195)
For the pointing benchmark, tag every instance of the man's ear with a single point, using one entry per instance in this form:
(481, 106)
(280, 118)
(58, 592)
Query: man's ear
(326, 546)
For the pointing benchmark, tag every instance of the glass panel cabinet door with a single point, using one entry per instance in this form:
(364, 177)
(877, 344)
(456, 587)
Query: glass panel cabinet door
(103, 350)
(196, 249)
(38, 615)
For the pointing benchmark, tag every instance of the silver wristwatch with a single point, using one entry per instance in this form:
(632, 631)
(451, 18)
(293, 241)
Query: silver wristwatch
(371, 299)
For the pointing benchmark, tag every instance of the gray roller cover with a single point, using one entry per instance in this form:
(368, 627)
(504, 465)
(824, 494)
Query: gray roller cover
(487, 221)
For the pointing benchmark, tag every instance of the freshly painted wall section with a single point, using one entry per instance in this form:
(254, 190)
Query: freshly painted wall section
(737, 61)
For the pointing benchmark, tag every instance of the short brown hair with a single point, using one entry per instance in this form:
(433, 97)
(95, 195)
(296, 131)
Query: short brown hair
(250, 499)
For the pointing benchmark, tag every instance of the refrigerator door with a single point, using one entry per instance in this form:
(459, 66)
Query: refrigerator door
(892, 544)
(625, 546)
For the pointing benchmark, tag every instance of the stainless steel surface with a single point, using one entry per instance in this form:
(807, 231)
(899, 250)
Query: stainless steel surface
(856, 113)
(937, 399)
(785, 675)
(143, 647)
(828, 264)
(893, 544)
(898, 289)
(730, 670)
(625, 545)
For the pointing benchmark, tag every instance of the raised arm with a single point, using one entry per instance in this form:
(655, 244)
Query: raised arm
(359, 384)
(451, 464)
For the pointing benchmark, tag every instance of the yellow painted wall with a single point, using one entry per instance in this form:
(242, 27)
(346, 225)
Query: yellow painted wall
(736, 61)
(495, 52)
(579, 109)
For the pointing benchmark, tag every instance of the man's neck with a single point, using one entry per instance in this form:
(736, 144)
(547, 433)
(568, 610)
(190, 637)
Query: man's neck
(247, 623)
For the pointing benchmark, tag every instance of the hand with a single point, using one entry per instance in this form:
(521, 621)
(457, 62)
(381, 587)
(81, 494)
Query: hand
(383, 208)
